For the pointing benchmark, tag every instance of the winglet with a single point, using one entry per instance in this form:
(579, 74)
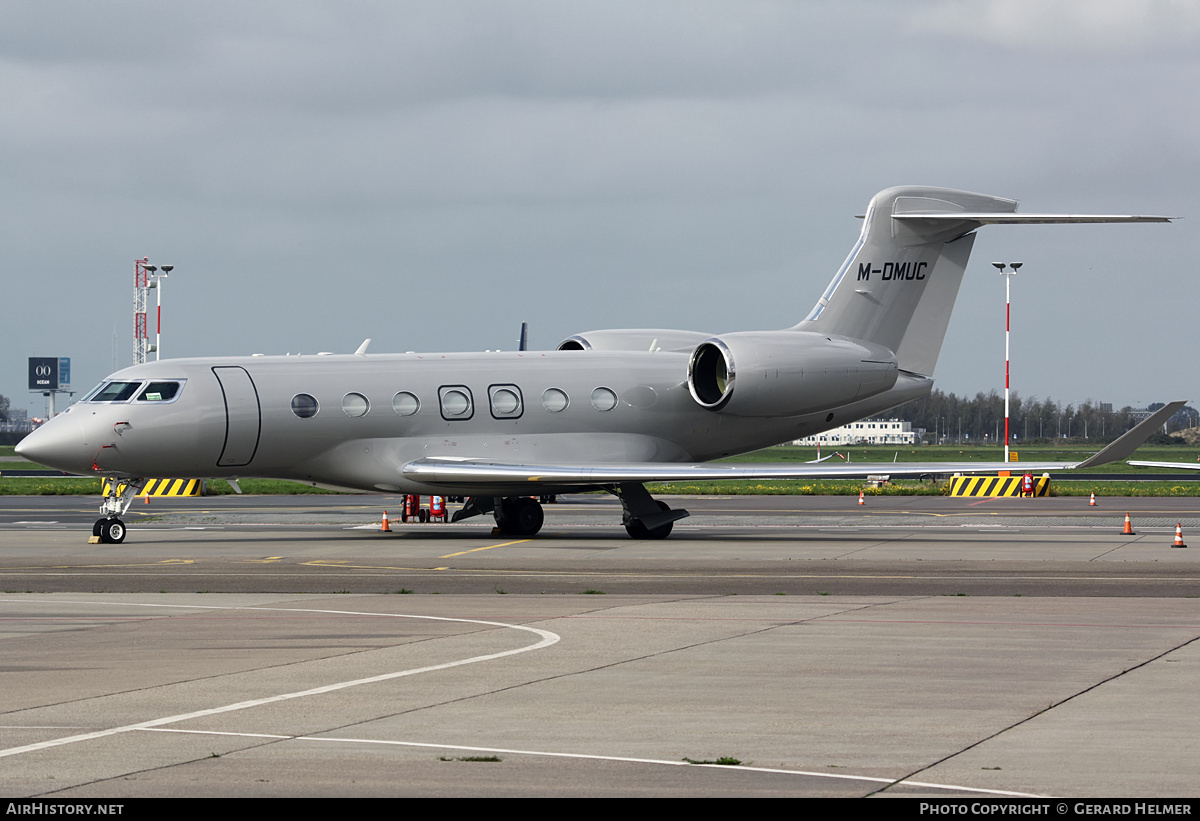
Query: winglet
(1132, 439)
(362, 349)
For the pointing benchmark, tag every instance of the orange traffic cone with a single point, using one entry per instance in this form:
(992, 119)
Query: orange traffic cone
(383, 527)
(1178, 536)
(860, 498)
(1128, 531)
(1093, 502)
(147, 498)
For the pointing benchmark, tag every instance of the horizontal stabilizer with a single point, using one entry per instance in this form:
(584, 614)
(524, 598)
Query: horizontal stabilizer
(1027, 219)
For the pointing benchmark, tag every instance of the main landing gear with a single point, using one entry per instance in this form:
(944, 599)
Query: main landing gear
(643, 516)
(519, 516)
(118, 496)
(514, 515)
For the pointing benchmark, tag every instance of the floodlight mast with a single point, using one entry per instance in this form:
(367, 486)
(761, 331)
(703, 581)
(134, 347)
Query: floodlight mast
(145, 278)
(157, 285)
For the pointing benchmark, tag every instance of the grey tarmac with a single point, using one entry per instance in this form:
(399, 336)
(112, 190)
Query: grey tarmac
(911, 646)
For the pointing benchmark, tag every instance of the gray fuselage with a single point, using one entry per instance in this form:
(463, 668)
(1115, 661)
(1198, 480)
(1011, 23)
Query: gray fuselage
(234, 417)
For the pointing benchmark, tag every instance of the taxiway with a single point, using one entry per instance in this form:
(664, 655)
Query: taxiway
(915, 647)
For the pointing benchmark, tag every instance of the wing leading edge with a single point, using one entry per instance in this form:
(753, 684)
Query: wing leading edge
(451, 471)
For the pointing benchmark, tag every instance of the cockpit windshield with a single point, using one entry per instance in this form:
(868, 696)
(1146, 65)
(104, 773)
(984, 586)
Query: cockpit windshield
(166, 390)
(87, 396)
(115, 392)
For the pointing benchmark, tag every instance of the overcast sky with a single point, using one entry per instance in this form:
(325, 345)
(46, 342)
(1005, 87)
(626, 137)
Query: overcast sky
(431, 174)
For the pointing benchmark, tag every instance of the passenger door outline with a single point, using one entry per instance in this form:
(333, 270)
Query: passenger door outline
(243, 416)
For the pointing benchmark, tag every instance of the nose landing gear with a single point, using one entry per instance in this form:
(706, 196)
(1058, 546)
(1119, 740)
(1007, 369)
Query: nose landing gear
(118, 496)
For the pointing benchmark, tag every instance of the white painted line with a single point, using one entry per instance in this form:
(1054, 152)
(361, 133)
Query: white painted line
(546, 640)
(622, 759)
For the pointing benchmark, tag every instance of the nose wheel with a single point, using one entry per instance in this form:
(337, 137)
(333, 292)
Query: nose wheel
(109, 531)
(118, 496)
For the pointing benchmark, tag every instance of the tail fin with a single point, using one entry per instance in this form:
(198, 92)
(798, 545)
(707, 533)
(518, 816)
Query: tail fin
(898, 286)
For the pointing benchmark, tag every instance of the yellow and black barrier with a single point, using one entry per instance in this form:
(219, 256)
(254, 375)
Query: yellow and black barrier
(996, 485)
(164, 487)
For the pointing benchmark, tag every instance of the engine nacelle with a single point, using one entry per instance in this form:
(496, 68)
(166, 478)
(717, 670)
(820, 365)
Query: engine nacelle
(634, 339)
(786, 373)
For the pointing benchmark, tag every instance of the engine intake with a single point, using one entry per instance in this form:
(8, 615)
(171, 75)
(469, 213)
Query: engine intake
(786, 373)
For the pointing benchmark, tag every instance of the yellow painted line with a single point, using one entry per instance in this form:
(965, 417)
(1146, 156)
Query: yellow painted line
(12, 570)
(344, 566)
(488, 547)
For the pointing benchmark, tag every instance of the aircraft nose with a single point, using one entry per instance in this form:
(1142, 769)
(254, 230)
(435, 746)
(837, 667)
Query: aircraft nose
(57, 444)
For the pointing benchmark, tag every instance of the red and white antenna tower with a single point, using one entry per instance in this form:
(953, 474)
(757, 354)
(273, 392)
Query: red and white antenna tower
(141, 278)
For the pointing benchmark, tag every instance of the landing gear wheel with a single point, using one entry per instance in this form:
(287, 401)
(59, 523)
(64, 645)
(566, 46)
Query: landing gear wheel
(110, 531)
(519, 516)
(637, 530)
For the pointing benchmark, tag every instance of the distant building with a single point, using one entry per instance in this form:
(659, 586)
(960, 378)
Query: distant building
(866, 432)
(18, 420)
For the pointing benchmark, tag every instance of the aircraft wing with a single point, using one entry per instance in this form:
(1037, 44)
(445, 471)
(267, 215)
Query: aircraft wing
(455, 470)
(1169, 465)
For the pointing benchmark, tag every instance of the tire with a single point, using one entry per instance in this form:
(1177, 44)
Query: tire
(637, 530)
(112, 531)
(520, 516)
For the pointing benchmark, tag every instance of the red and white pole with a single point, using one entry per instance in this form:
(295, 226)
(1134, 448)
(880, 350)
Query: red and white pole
(1007, 331)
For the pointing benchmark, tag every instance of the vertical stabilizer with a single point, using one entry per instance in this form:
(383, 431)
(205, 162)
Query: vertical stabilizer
(898, 285)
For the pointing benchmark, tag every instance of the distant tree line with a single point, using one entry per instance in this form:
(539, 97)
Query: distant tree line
(948, 418)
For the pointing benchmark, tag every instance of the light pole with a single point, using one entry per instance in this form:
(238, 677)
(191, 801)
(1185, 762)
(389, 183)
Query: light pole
(156, 283)
(1007, 327)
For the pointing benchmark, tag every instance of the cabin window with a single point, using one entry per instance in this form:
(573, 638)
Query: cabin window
(159, 392)
(456, 402)
(603, 399)
(555, 400)
(355, 405)
(505, 401)
(116, 392)
(304, 405)
(405, 403)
